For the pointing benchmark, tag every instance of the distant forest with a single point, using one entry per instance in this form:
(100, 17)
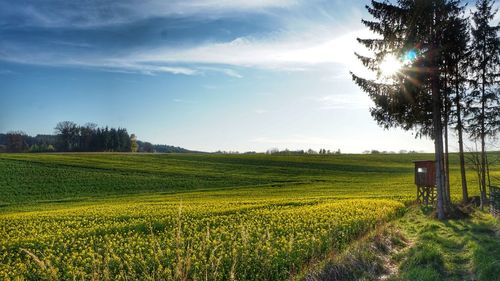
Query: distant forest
(71, 137)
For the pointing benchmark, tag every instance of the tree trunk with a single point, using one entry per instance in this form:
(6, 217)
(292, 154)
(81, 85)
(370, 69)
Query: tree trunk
(465, 194)
(438, 140)
(483, 145)
(447, 163)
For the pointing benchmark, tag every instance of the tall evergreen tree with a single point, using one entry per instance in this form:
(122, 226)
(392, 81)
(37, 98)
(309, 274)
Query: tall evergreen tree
(413, 31)
(484, 105)
(457, 60)
(87, 133)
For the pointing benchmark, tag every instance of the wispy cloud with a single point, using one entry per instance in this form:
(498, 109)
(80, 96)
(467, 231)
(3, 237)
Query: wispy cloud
(289, 52)
(95, 62)
(94, 13)
(297, 43)
(344, 101)
(227, 71)
(279, 53)
(179, 100)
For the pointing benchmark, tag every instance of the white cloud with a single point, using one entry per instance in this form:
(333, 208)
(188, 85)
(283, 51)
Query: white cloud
(153, 69)
(227, 71)
(286, 52)
(287, 49)
(344, 101)
(105, 64)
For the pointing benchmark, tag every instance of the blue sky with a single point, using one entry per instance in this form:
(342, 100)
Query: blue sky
(205, 75)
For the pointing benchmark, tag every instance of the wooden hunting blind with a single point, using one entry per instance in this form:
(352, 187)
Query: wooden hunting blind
(425, 179)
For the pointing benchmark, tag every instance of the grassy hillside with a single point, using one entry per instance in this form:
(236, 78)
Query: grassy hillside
(32, 178)
(191, 216)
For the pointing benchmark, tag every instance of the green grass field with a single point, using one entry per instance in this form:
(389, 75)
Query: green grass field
(191, 216)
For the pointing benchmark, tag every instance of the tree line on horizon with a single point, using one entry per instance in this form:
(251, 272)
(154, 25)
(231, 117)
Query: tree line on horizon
(448, 81)
(71, 137)
(286, 151)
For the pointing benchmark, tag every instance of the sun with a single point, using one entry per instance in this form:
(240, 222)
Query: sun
(390, 65)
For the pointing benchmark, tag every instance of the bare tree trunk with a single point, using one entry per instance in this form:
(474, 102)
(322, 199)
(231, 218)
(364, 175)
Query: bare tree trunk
(447, 163)
(478, 169)
(465, 194)
(440, 184)
(483, 147)
(438, 142)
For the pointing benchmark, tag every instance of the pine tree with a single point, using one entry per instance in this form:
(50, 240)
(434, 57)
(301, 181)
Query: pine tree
(484, 105)
(457, 60)
(412, 98)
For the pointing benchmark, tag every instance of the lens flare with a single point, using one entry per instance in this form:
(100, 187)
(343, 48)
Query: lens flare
(390, 65)
(410, 56)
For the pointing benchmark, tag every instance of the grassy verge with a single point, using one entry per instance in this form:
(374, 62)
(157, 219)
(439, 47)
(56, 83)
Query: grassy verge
(368, 258)
(419, 248)
(466, 249)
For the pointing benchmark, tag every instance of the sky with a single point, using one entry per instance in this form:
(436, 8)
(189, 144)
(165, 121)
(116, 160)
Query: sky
(232, 75)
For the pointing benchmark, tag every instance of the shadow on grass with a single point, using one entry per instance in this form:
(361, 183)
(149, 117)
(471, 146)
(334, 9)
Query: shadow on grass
(467, 249)
(486, 252)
